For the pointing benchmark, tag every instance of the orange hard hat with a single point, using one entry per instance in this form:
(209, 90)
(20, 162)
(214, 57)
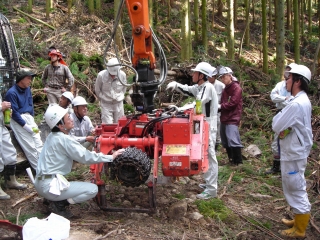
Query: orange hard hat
(55, 52)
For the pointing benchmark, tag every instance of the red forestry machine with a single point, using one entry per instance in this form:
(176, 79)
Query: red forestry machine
(174, 137)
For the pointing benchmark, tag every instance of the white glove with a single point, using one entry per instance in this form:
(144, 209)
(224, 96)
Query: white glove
(172, 85)
(28, 128)
(187, 106)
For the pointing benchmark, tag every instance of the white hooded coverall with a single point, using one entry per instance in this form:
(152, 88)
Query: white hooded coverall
(207, 93)
(294, 150)
(111, 94)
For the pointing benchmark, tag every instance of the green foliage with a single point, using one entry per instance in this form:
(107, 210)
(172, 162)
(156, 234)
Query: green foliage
(73, 42)
(128, 109)
(179, 196)
(44, 63)
(214, 208)
(22, 20)
(267, 224)
(25, 63)
(75, 57)
(24, 217)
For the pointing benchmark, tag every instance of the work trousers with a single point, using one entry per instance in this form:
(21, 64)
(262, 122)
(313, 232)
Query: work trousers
(77, 191)
(230, 136)
(30, 143)
(211, 176)
(294, 185)
(111, 112)
(53, 95)
(8, 154)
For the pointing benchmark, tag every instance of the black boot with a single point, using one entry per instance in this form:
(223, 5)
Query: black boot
(59, 207)
(230, 154)
(237, 156)
(275, 167)
(9, 172)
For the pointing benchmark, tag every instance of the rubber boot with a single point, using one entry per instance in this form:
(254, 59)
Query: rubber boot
(237, 156)
(299, 227)
(59, 207)
(3, 195)
(229, 152)
(10, 178)
(275, 167)
(287, 222)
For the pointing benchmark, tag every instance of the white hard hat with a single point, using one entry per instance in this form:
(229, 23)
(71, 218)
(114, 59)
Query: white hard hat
(302, 71)
(113, 70)
(291, 65)
(54, 114)
(68, 95)
(213, 72)
(229, 70)
(204, 68)
(78, 101)
(224, 70)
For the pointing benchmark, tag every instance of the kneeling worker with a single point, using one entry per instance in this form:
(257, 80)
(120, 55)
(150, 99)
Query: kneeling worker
(56, 159)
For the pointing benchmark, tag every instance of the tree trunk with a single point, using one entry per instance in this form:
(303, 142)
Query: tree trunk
(151, 13)
(230, 30)
(301, 15)
(48, 4)
(204, 25)
(98, 5)
(91, 6)
(212, 21)
(69, 7)
(235, 12)
(264, 37)
(169, 11)
(289, 14)
(270, 19)
(118, 37)
(310, 17)
(29, 6)
(196, 20)
(296, 32)
(220, 9)
(247, 31)
(184, 30)
(253, 12)
(280, 39)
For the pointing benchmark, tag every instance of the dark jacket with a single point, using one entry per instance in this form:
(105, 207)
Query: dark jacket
(231, 104)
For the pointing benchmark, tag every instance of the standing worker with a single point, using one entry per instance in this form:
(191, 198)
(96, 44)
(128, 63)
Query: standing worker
(231, 108)
(205, 92)
(53, 166)
(293, 125)
(8, 155)
(280, 96)
(110, 92)
(56, 78)
(218, 86)
(22, 123)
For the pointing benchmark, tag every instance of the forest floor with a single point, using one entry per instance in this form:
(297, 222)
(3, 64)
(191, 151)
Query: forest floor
(249, 205)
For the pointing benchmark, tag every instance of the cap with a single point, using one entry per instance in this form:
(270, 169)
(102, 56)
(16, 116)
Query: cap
(22, 74)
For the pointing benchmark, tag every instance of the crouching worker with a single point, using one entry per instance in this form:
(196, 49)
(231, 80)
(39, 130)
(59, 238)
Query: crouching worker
(56, 159)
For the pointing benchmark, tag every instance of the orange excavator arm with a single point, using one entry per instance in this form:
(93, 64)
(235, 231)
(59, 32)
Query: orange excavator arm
(141, 32)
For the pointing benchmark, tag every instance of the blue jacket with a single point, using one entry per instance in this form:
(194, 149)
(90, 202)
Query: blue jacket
(21, 102)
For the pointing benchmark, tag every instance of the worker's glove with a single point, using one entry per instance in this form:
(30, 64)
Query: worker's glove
(28, 128)
(172, 85)
(187, 106)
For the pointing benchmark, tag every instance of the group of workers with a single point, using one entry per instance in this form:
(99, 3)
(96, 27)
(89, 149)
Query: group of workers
(72, 131)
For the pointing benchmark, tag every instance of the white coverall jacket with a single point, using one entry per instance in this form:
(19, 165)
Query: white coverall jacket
(57, 156)
(295, 149)
(278, 96)
(8, 153)
(81, 129)
(218, 86)
(207, 93)
(110, 92)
